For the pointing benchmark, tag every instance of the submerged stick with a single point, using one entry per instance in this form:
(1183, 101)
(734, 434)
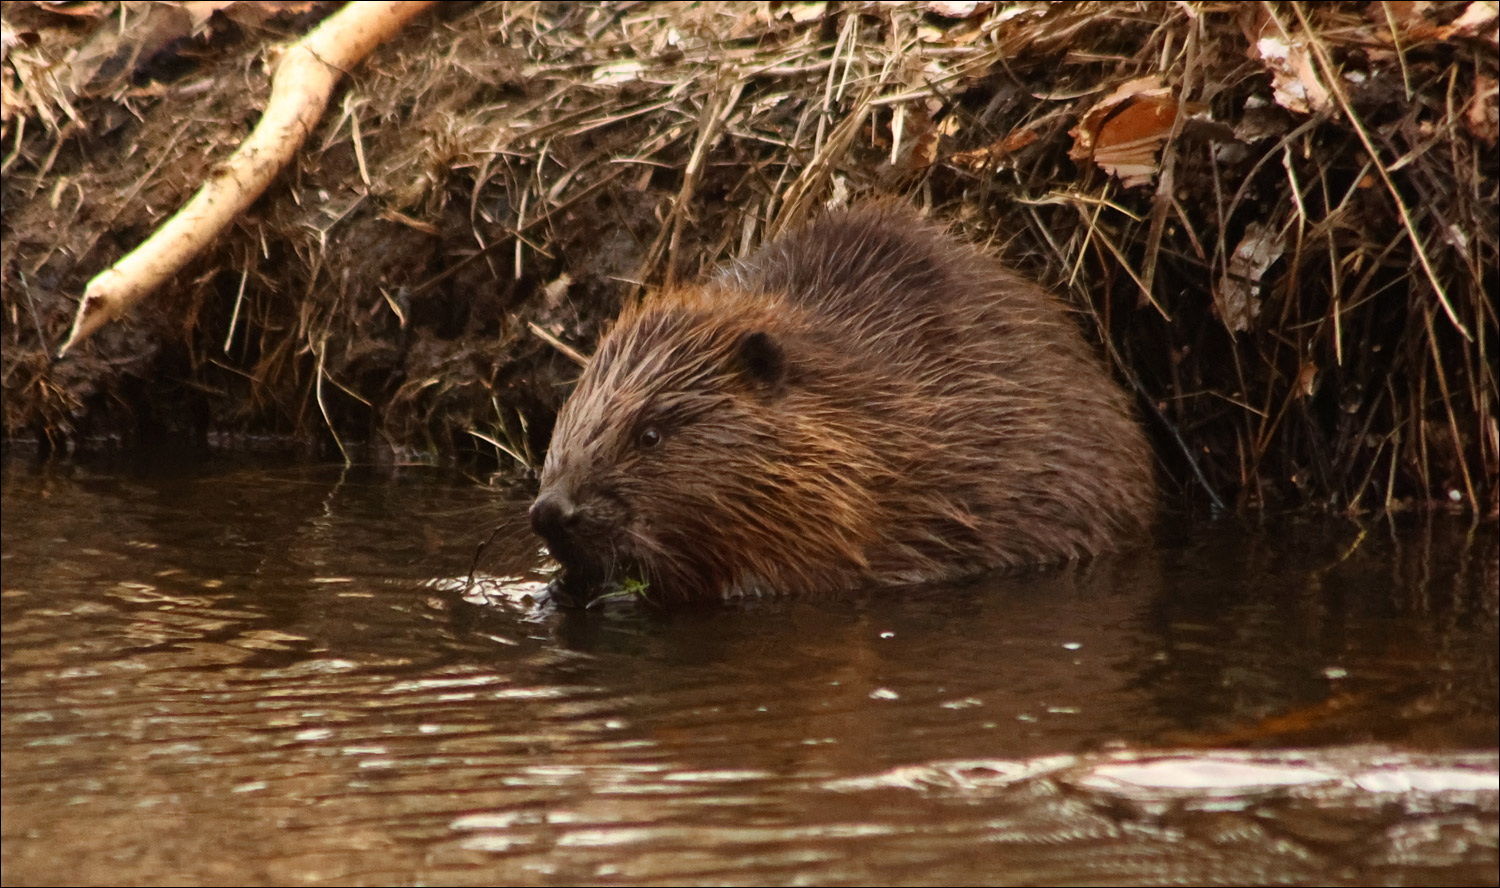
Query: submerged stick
(305, 74)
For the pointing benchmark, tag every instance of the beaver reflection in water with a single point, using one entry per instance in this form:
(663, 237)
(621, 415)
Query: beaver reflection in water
(864, 401)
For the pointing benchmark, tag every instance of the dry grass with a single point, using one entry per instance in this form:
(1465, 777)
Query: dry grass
(1301, 295)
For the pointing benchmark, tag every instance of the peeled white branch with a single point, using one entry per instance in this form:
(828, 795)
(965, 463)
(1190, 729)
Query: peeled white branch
(304, 77)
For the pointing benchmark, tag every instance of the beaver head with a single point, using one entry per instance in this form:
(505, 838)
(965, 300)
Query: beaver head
(699, 454)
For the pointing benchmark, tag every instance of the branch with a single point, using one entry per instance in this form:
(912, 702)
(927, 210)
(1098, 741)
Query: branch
(304, 77)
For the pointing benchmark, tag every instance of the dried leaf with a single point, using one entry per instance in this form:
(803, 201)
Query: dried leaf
(1480, 20)
(1124, 130)
(1482, 119)
(958, 9)
(804, 12)
(1307, 380)
(1128, 142)
(1294, 78)
(992, 156)
(1238, 295)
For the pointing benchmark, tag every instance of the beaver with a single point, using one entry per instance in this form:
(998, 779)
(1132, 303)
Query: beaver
(864, 401)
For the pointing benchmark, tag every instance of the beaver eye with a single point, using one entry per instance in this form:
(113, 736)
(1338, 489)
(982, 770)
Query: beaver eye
(649, 437)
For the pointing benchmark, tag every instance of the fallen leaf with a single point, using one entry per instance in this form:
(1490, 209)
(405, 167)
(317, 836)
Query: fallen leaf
(1294, 78)
(1123, 131)
(1480, 20)
(804, 12)
(958, 9)
(1307, 380)
(1087, 130)
(1127, 143)
(1482, 119)
(991, 156)
(1237, 297)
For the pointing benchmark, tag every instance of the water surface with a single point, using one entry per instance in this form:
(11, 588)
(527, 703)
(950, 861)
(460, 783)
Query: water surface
(259, 674)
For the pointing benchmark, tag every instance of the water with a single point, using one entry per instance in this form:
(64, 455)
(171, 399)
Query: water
(234, 674)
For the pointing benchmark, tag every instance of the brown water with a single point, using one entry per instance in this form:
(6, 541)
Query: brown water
(276, 675)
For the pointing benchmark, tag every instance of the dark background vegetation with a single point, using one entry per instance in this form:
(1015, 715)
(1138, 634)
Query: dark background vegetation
(1290, 258)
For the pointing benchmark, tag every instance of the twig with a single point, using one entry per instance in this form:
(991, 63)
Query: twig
(569, 351)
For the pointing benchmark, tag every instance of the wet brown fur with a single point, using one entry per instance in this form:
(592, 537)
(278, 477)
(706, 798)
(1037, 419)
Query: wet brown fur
(865, 401)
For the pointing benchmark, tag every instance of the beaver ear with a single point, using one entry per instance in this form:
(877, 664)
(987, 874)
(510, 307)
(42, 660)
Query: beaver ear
(759, 358)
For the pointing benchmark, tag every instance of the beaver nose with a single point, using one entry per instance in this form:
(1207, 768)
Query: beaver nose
(553, 516)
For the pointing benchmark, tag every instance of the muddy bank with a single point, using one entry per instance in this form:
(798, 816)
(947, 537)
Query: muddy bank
(1301, 323)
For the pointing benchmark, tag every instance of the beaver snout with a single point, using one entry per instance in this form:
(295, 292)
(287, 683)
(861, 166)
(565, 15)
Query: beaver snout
(554, 517)
(579, 530)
